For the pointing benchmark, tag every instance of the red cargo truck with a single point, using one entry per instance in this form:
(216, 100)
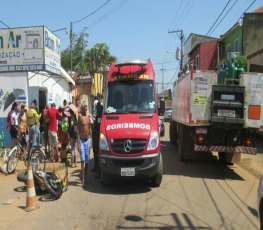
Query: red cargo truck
(129, 133)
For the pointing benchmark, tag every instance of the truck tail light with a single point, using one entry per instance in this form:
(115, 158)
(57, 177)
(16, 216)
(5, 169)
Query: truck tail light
(248, 142)
(200, 139)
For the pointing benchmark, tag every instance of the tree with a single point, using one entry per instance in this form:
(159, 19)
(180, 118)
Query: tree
(98, 59)
(79, 45)
(94, 60)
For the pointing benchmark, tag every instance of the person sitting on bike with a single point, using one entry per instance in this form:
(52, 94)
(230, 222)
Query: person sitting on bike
(32, 118)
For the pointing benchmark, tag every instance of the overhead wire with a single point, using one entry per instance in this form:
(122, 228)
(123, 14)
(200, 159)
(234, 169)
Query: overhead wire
(246, 10)
(177, 12)
(107, 14)
(223, 17)
(95, 11)
(237, 20)
(4, 24)
(187, 12)
(218, 17)
(183, 12)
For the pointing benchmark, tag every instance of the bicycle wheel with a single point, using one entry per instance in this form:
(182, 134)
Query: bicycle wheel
(38, 159)
(4, 155)
(12, 160)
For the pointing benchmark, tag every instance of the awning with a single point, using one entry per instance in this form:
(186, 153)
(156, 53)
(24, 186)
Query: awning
(65, 75)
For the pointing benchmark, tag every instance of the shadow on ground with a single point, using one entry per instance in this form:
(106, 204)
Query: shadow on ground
(203, 165)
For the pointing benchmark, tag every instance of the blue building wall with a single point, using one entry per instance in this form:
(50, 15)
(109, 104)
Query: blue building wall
(7, 141)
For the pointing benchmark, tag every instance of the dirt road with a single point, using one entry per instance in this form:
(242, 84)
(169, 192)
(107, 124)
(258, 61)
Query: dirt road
(193, 195)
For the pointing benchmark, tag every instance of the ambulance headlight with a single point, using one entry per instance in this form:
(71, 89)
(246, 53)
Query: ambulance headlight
(103, 142)
(154, 141)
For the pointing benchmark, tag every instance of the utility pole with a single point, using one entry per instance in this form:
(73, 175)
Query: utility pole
(181, 38)
(162, 70)
(70, 47)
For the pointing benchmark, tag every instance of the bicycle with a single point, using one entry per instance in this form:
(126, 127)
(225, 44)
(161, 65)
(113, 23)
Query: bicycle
(3, 152)
(37, 156)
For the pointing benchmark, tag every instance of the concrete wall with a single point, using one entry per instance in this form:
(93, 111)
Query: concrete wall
(252, 33)
(56, 87)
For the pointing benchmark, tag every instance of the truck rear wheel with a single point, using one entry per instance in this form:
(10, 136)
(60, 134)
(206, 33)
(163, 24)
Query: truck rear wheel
(225, 159)
(222, 157)
(157, 179)
(173, 132)
(185, 143)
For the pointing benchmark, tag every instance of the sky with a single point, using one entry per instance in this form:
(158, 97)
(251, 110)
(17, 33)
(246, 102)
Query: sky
(133, 29)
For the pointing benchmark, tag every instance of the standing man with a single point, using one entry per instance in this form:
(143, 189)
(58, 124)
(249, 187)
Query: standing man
(53, 114)
(96, 138)
(84, 130)
(32, 119)
(45, 128)
(95, 106)
(37, 125)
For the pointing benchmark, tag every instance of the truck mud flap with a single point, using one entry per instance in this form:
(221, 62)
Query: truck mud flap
(228, 149)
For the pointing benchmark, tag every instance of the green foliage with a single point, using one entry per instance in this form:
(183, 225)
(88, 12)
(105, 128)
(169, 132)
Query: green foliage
(94, 60)
(65, 59)
(79, 46)
(98, 58)
(242, 60)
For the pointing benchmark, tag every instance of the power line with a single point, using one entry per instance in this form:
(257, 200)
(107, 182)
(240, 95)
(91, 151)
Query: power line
(224, 16)
(246, 9)
(108, 13)
(218, 17)
(184, 11)
(177, 12)
(4, 24)
(187, 12)
(165, 62)
(95, 11)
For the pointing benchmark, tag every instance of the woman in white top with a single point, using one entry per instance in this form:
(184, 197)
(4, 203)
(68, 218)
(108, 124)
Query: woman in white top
(14, 124)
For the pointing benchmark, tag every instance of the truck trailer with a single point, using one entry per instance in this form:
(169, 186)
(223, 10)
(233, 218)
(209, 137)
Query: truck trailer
(212, 117)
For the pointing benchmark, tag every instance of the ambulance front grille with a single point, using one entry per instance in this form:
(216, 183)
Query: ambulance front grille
(128, 146)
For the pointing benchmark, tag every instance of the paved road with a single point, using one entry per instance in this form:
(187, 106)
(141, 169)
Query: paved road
(194, 195)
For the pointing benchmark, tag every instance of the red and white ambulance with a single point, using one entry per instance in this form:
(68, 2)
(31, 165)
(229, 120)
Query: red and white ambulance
(129, 132)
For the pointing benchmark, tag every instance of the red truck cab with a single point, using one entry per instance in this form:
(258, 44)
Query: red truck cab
(129, 132)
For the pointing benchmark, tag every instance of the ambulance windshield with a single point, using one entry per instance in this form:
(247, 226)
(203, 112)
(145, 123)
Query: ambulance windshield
(130, 96)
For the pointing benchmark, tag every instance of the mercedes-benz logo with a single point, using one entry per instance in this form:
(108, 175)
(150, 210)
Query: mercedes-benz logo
(127, 146)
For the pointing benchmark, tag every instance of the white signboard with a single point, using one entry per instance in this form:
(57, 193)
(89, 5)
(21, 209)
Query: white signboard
(29, 49)
(201, 90)
(253, 83)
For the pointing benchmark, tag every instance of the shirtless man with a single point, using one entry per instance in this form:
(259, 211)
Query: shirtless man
(84, 131)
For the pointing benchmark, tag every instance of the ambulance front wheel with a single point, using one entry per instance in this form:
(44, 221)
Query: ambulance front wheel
(157, 179)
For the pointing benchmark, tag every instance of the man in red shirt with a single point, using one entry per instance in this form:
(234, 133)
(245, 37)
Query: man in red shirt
(53, 114)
